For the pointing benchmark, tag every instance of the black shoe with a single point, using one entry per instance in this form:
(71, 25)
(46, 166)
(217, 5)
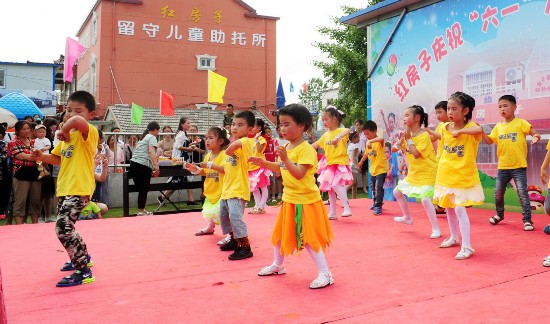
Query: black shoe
(192, 203)
(241, 253)
(232, 245)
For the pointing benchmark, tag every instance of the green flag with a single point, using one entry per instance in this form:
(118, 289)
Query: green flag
(137, 113)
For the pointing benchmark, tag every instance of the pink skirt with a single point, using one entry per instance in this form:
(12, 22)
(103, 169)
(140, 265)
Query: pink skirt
(259, 178)
(331, 176)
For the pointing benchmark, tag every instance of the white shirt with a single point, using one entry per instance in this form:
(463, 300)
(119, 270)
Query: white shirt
(43, 144)
(362, 142)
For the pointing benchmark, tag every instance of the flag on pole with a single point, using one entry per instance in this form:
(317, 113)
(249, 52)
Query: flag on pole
(166, 104)
(73, 50)
(137, 114)
(291, 87)
(216, 87)
(280, 95)
(304, 87)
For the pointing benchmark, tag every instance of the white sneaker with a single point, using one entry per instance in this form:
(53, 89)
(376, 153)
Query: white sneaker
(464, 253)
(224, 240)
(346, 213)
(404, 220)
(435, 234)
(323, 280)
(272, 270)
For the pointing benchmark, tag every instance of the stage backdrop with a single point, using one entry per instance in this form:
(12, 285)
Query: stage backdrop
(484, 48)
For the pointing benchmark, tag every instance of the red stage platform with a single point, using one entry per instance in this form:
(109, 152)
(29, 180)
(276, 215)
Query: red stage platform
(154, 270)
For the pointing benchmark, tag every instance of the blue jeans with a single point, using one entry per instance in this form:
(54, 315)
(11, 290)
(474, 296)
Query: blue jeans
(231, 217)
(377, 186)
(520, 179)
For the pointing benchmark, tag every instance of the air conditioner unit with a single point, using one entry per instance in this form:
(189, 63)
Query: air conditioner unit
(514, 75)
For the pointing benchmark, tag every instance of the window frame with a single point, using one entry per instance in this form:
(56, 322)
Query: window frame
(211, 59)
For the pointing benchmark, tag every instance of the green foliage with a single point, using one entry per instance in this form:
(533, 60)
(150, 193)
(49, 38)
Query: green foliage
(313, 96)
(346, 64)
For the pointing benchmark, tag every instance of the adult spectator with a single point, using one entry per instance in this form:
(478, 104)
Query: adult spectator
(228, 117)
(25, 174)
(166, 145)
(197, 144)
(5, 175)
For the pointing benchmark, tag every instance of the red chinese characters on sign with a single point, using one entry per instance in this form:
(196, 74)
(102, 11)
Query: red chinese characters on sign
(401, 90)
(412, 75)
(438, 47)
(489, 16)
(543, 85)
(547, 9)
(509, 10)
(424, 59)
(454, 36)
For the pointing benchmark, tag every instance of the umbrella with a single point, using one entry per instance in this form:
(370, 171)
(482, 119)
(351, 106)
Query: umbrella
(7, 117)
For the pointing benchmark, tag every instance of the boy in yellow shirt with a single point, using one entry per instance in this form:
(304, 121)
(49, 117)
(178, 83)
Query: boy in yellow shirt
(509, 135)
(378, 164)
(236, 189)
(75, 184)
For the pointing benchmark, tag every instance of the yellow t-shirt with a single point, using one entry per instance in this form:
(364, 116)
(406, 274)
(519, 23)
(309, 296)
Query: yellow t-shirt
(511, 143)
(422, 171)
(439, 142)
(335, 154)
(214, 179)
(305, 190)
(252, 167)
(235, 179)
(457, 167)
(76, 174)
(377, 158)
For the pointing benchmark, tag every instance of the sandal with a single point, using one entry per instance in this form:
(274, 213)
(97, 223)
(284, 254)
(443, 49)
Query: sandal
(546, 261)
(496, 219)
(203, 232)
(449, 242)
(528, 226)
(254, 210)
(464, 253)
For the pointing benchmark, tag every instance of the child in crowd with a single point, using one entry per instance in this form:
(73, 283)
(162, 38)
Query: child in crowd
(213, 169)
(457, 183)
(389, 182)
(441, 115)
(278, 189)
(43, 144)
(258, 177)
(509, 136)
(544, 179)
(91, 211)
(334, 172)
(236, 189)
(75, 185)
(420, 179)
(270, 156)
(378, 164)
(353, 151)
(302, 220)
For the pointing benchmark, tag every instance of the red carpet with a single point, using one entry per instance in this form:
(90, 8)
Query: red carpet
(153, 270)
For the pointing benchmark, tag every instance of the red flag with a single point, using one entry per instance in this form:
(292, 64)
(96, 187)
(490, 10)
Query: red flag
(304, 87)
(166, 104)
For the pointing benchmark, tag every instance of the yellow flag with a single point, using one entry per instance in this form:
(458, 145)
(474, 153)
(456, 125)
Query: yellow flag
(216, 87)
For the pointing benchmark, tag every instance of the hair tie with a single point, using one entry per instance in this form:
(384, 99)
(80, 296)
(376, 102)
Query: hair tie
(340, 112)
(331, 107)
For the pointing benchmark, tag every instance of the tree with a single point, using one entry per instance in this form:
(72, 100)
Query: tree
(347, 64)
(313, 96)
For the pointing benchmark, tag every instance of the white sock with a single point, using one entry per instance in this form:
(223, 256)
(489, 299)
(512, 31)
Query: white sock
(464, 223)
(257, 197)
(278, 257)
(402, 203)
(265, 195)
(430, 210)
(318, 258)
(210, 226)
(343, 195)
(332, 202)
(453, 222)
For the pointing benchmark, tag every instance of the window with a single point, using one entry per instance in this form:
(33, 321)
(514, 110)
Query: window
(84, 38)
(206, 62)
(94, 28)
(93, 75)
(2, 78)
(479, 83)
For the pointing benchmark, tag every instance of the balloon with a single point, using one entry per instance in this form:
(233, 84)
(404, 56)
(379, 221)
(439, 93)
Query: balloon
(393, 59)
(391, 69)
(380, 70)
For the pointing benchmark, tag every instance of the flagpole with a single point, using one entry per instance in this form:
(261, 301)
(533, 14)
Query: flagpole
(116, 86)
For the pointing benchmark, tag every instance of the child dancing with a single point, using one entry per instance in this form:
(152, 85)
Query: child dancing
(258, 177)
(302, 221)
(420, 180)
(334, 171)
(457, 183)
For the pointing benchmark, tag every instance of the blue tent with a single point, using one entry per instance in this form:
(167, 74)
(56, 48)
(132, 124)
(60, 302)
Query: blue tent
(280, 95)
(20, 105)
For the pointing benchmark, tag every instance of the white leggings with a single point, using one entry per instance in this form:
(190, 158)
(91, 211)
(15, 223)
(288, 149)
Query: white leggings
(458, 218)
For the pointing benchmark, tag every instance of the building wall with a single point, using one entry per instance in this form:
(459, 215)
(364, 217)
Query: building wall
(28, 77)
(143, 65)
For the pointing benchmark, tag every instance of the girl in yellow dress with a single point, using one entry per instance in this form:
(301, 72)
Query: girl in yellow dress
(457, 183)
(302, 221)
(420, 180)
(212, 169)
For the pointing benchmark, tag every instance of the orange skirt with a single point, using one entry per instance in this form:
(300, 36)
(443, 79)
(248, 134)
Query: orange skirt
(315, 231)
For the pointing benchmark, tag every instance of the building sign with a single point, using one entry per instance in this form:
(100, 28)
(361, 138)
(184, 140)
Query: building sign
(130, 28)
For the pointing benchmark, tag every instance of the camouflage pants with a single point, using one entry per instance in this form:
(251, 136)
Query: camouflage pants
(68, 210)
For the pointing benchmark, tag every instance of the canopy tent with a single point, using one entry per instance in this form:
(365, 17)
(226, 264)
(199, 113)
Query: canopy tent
(7, 117)
(20, 105)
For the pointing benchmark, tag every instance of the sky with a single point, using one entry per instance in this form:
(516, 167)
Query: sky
(38, 34)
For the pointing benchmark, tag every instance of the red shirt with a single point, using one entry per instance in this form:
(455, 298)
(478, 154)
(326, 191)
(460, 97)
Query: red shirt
(15, 147)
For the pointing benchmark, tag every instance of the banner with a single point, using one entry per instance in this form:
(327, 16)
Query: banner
(216, 87)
